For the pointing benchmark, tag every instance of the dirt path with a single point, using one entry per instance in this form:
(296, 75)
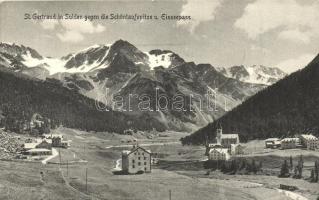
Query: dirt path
(55, 153)
(142, 145)
(292, 195)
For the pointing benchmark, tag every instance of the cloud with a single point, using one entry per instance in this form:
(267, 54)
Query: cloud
(293, 21)
(295, 35)
(49, 24)
(295, 64)
(74, 30)
(70, 36)
(200, 11)
(82, 26)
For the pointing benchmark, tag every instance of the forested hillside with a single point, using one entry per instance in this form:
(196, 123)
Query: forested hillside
(21, 97)
(289, 107)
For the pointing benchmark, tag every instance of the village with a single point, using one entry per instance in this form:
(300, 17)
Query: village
(35, 141)
(78, 157)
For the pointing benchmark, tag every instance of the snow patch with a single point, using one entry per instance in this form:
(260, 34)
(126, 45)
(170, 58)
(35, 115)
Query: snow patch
(159, 60)
(56, 65)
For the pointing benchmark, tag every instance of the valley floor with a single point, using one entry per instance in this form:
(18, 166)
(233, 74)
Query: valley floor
(96, 154)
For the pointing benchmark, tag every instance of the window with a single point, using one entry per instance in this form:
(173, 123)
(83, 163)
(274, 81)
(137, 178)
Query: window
(133, 166)
(139, 158)
(139, 163)
(144, 158)
(133, 161)
(144, 163)
(145, 168)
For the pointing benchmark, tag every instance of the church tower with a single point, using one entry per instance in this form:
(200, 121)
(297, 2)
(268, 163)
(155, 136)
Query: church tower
(219, 133)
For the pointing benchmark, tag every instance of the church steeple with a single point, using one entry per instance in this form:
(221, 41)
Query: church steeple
(219, 133)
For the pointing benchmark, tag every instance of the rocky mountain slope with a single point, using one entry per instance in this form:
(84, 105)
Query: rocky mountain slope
(289, 107)
(257, 74)
(125, 78)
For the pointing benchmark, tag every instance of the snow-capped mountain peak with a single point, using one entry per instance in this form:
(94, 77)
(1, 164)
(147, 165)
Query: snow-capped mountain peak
(257, 74)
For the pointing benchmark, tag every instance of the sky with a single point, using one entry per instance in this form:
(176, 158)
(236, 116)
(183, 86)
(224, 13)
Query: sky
(224, 33)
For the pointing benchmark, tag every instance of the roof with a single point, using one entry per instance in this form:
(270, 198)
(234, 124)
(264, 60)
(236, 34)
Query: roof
(39, 150)
(272, 139)
(309, 137)
(220, 150)
(229, 136)
(214, 145)
(290, 140)
(39, 140)
(126, 152)
(52, 135)
(30, 145)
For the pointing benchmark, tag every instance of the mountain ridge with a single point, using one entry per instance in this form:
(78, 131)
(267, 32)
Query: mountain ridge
(119, 69)
(284, 109)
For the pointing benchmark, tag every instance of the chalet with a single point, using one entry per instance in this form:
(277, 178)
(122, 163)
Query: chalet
(272, 143)
(309, 141)
(44, 145)
(60, 142)
(219, 154)
(37, 145)
(236, 149)
(52, 135)
(29, 145)
(290, 143)
(136, 160)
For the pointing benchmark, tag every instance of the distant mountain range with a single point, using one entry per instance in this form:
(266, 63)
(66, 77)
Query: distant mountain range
(120, 69)
(289, 107)
(257, 74)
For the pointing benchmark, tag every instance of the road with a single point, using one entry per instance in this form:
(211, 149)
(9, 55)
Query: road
(55, 153)
(142, 145)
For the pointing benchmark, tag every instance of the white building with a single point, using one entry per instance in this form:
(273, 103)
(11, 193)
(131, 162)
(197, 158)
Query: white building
(272, 143)
(290, 143)
(309, 141)
(136, 160)
(220, 154)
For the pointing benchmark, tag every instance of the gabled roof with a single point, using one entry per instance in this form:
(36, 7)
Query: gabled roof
(229, 136)
(290, 140)
(272, 139)
(30, 145)
(309, 137)
(215, 145)
(219, 150)
(135, 149)
(49, 135)
(39, 140)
